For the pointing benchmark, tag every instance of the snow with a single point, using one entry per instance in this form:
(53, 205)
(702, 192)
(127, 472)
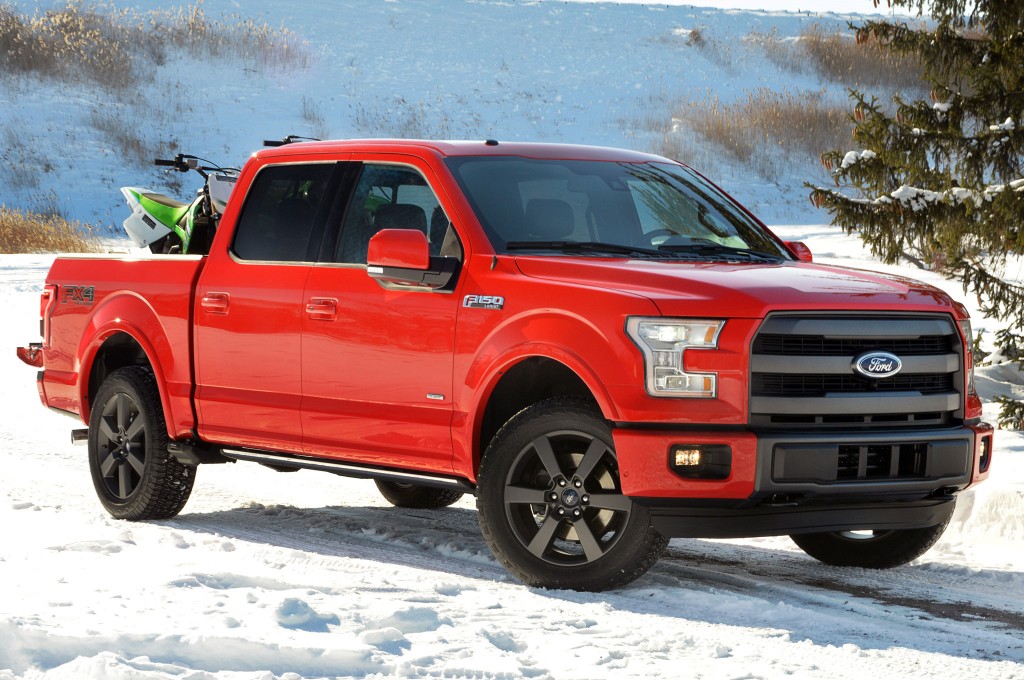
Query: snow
(854, 157)
(1005, 126)
(307, 575)
(270, 576)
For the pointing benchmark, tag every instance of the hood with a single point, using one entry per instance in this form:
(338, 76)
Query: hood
(742, 290)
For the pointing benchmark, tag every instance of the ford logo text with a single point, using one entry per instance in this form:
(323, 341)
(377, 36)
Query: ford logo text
(877, 365)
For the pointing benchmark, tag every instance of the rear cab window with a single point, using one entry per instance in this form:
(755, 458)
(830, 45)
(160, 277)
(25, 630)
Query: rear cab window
(284, 213)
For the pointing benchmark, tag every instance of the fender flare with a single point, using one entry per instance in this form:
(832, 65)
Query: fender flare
(507, 346)
(145, 328)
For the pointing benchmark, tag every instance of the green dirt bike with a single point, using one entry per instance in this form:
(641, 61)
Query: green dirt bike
(169, 226)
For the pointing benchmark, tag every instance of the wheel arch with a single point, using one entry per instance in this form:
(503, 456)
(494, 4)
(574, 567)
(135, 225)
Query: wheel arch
(118, 350)
(111, 341)
(527, 379)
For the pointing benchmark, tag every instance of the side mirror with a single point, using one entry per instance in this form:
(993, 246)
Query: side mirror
(800, 251)
(402, 256)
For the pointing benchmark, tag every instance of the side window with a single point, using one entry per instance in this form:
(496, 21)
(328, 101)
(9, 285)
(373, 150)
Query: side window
(277, 219)
(393, 197)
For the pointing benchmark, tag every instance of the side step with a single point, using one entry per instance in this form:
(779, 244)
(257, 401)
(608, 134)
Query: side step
(285, 462)
(194, 453)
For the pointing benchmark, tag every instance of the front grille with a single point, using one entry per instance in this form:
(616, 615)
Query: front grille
(826, 463)
(793, 385)
(778, 344)
(802, 372)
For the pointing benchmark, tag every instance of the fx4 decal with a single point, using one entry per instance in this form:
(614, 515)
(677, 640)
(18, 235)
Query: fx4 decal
(483, 301)
(78, 295)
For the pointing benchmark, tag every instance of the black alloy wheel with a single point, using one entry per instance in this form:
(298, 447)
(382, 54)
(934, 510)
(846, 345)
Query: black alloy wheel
(551, 505)
(134, 475)
(405, 495)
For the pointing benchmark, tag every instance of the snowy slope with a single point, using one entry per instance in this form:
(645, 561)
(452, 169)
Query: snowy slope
(457, 69)
(268, 575)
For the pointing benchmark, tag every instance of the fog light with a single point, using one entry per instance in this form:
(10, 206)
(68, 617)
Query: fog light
(687, 457)
(701, 461)
(986, 454)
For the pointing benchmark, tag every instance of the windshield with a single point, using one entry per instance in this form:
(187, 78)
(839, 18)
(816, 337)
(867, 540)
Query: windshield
(608, 208)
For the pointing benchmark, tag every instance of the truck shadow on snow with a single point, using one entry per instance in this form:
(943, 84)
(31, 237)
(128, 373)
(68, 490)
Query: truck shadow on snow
(928, 606)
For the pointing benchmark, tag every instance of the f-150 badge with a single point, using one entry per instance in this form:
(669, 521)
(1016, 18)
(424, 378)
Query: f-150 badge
(483, 301)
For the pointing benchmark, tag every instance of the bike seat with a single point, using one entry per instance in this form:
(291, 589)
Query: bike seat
(164, 200)
(164, 208)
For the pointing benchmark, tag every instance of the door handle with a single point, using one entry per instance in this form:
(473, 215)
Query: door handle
(322, 309)
(215, 303)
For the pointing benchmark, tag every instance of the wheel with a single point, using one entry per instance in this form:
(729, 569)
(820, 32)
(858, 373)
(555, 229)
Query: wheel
(551, 507)
(134, 475)
(415, 496)
(870, 549)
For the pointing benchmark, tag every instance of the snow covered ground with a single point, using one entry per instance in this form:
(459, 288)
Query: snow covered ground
(307, 575)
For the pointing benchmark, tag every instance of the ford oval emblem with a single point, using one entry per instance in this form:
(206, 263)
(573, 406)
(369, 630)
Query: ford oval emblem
(877, 365)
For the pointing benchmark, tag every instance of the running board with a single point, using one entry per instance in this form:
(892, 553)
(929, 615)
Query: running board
(285, 462)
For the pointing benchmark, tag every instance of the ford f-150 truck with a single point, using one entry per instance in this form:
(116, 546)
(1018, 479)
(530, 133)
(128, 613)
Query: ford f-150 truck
(601, 345)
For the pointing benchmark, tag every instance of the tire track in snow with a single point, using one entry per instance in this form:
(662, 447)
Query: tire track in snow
(718, 583)
(836, 606)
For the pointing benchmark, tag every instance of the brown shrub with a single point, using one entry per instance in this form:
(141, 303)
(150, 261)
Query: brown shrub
(32, 232)
(99, 43)
(793, 122)
(836, 56)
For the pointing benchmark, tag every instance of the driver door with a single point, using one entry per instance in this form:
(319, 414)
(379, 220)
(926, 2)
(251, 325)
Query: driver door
(377, 358)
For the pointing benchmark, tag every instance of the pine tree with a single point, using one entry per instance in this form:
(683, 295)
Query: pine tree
(941, 183)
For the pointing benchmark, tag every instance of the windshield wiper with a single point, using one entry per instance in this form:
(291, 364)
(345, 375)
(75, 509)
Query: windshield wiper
(585, 247)
(708, 248)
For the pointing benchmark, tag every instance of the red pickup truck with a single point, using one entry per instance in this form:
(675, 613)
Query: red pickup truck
(601, 345)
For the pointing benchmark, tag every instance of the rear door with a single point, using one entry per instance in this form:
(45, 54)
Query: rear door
(377, 358)
(249, 309)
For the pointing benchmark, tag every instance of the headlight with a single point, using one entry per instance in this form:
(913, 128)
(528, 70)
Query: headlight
(965, 326)
(664, 343)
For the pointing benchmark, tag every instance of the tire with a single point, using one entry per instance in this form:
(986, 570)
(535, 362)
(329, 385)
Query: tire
(870, 549)
(404, 495)
(134, 475)
(550, 505)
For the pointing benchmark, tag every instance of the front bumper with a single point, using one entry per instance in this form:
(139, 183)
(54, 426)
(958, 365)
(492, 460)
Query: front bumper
(791, 482)
(782, 520)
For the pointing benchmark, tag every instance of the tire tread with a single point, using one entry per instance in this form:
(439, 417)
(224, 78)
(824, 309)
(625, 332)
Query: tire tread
(644, 554)
(166, 484)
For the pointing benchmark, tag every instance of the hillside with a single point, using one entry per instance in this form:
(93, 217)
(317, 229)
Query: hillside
(597, 73)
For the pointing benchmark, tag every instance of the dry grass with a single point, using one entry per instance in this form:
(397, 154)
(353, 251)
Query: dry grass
(762, 130)
(32, 232)
(835, 56)
(765, 129)
(190, 29)
(122, 134)
(98, 43)
(403, 119)
(74, 42)
(314, 118)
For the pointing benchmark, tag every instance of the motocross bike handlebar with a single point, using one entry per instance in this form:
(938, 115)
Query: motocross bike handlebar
(185, 162)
